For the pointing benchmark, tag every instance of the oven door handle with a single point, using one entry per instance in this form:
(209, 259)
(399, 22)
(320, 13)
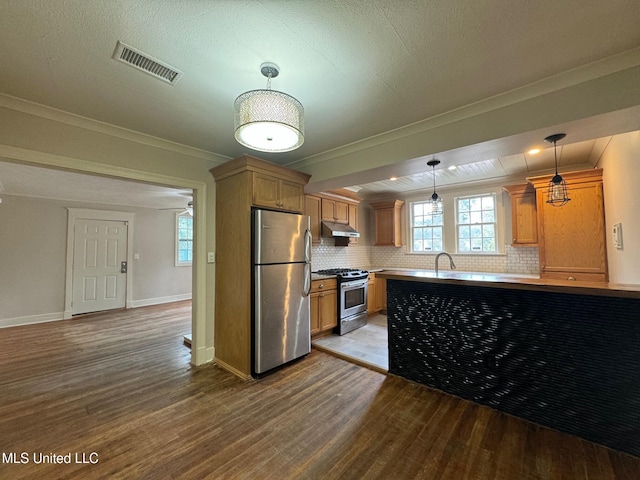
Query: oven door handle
(353, 284)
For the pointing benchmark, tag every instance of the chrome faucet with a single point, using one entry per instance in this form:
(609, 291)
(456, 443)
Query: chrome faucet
(452, 265)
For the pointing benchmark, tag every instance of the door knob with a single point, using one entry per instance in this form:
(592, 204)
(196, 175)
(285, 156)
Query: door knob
(123, 267)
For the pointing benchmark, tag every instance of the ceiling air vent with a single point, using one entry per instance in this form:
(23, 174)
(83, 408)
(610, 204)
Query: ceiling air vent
(146, 63)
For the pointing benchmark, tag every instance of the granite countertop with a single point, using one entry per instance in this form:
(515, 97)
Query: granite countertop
(512, 281)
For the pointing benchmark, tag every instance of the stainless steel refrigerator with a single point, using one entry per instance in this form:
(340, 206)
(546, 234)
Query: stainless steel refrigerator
(281, 285)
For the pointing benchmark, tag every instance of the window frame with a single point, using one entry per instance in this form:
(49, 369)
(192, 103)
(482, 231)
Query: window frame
(412, 228)
(482, 223)
(178, 239)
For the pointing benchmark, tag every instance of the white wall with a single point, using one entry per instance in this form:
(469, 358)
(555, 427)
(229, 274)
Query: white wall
(621, 178)
(33, 239)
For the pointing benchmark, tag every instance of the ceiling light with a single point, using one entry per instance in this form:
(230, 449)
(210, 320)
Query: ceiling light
(436, 201)
(452, 167)
(268, 120)
(533, 151)
(393, 179)
(557, 195)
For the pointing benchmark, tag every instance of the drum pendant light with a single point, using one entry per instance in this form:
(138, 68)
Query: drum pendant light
(436, 201)
(557, 194)
(268, 120)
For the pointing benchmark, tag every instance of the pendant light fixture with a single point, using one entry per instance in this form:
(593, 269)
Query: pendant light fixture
(557, 195)
(436, 201)
(268, 120)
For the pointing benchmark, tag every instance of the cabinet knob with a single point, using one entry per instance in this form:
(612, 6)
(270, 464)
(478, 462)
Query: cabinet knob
(571, 278)
(321, 285)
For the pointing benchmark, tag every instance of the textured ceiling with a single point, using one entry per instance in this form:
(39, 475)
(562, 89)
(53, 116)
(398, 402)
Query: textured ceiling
(359, 67)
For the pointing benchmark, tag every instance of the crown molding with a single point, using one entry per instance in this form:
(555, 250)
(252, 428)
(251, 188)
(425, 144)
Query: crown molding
(49, 113)
(569, 78)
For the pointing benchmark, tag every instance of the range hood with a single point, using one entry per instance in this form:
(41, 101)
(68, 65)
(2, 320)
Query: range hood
(333, 229)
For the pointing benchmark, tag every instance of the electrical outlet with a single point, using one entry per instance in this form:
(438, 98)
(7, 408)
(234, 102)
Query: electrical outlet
(211, 257)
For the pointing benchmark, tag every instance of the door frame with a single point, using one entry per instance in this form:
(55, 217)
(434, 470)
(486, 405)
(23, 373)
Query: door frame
(90, 214)
(202, 330)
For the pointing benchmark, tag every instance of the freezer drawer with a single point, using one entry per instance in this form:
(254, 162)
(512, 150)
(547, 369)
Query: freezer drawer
(282, 330)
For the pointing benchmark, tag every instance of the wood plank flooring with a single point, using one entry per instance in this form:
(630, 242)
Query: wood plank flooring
(120, 385)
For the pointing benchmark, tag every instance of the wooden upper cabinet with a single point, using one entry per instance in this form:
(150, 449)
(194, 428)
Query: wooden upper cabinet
(312, 208)
(388, 222)
(335, 211)
(337, 206)
(524, 221)
(353, 221)
(278, 193)
(572, 238)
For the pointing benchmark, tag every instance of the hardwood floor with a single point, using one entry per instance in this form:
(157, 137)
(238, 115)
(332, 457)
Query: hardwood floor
(120, 385)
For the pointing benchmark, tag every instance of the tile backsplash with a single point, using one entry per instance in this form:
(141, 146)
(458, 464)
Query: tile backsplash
(519, 260)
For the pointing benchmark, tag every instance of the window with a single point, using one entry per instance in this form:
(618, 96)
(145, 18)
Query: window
(426, 229)
(184, 239)
(476, 223)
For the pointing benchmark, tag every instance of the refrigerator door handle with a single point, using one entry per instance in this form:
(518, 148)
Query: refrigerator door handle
(307, 245)
(307, 279)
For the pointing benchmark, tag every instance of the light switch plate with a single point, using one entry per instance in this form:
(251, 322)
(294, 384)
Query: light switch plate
(211, 257)
(617, 236)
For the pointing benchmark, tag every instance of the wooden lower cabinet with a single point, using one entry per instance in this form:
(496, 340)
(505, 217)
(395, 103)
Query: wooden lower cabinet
(324, 306)
(381, 294)
(372, 306)
(376, 294)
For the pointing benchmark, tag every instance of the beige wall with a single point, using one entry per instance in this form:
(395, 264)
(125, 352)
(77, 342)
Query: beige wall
(34, 134)
(621, 177)
(33, 243)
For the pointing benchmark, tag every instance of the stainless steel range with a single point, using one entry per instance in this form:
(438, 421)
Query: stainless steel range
(352, 298)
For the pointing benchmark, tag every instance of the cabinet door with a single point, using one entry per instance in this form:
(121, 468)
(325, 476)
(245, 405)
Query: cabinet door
(291, 195)
(573, 236)
(372, 306)
(381, 294)
(328, 210)
(524, 216)
(312, 208)
(315, 312)
(265, 191)
(523, 219)
(353, 221)
(335, 211)
(342, 212)
(328, 310)
(384, 219)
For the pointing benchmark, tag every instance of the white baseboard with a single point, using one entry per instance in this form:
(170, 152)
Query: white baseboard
(31, 319)
(53, 317)
(202, 355)
(145, 302)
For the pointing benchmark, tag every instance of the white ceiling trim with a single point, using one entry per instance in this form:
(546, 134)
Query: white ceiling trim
(48, 160)
(49, 113)
(569, 78)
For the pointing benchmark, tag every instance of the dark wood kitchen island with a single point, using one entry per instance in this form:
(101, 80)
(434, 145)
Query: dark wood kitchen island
(561, 354)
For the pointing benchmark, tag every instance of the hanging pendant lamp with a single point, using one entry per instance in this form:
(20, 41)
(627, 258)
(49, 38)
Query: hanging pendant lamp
(436, 201)
(268, 120)
(557, 194)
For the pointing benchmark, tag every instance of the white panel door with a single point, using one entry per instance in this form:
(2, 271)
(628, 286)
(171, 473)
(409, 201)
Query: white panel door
(98, 250)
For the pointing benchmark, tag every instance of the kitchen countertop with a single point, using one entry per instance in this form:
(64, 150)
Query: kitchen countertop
(511, 281)
(317, 276)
